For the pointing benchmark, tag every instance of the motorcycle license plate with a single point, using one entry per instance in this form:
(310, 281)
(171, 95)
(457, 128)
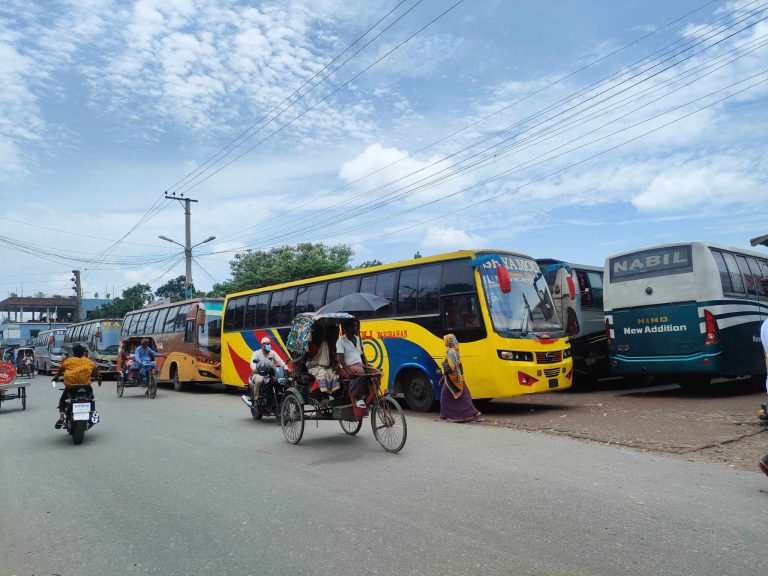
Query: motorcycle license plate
(81, 411)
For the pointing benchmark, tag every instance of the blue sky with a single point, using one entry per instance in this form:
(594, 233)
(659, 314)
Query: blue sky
(105, 105)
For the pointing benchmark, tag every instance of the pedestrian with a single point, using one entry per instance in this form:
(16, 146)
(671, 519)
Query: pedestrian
(455, 400)
(763, 412)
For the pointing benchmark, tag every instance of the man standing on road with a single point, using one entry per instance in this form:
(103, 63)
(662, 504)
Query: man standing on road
(763, 412)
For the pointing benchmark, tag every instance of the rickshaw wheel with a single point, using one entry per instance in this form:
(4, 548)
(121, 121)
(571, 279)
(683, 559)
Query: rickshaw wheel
(152, 388)
(292, 419)
(120, 385)
(351, 427)
(388, 423)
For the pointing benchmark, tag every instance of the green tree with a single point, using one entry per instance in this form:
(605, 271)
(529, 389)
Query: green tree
(173, 289)
(283, 264)
(417, 255)
(133, 298)
(369, 263)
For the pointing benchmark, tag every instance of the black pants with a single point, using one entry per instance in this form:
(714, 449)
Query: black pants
(65, 394)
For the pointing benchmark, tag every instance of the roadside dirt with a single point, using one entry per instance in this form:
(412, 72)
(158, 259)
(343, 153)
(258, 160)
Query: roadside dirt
(716, 425)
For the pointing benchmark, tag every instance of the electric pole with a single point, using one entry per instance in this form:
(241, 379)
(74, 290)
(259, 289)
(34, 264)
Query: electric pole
(188, 287)
(78, 288)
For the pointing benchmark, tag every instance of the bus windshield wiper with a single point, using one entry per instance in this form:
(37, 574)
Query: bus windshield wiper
(526, 315)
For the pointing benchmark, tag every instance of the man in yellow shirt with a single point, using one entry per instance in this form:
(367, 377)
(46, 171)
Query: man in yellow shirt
(78, 370)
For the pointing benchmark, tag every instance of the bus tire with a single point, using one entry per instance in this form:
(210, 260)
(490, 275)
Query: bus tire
(417, 390)
(178, 385)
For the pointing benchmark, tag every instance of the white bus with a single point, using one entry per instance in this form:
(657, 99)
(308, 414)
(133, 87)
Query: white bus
(690, 311)
(48, 351)
(577, 291)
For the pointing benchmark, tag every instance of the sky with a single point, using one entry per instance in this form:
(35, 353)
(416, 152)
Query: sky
(567, 129)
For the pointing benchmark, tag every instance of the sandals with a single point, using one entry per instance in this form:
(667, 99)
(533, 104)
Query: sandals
(59, 424)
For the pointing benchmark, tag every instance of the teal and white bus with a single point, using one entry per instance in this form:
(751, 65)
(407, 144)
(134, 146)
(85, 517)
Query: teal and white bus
(690, 311)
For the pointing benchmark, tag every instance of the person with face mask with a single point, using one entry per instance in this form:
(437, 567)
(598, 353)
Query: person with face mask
(263, 356)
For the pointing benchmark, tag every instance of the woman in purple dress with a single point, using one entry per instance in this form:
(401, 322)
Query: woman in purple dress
(455, 399)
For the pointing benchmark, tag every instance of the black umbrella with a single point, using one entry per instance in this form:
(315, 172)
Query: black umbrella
(357, 302)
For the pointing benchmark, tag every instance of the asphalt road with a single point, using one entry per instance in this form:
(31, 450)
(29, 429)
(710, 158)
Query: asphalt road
(190, 484)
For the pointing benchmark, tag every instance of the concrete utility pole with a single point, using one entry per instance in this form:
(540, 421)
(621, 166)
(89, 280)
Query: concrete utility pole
(187, 241)
(78, 288)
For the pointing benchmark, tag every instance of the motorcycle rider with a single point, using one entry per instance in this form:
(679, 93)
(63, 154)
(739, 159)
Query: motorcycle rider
(78, 370)
(264, 355)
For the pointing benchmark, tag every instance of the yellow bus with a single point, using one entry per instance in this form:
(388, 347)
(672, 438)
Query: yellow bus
(188, 333)
(496, 303)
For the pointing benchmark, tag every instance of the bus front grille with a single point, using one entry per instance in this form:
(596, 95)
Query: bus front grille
(549, 357)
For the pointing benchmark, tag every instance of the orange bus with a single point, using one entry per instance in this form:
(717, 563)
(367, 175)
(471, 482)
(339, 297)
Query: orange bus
(188, 333)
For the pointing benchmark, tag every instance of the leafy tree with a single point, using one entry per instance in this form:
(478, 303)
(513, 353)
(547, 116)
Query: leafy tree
(173, 289)
(283, 264)
(369, 263)
(417, 255)
(133, 298)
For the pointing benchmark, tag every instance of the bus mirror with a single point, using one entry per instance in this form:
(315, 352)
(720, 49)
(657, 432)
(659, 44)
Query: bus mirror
(571, 288)
(504, 282)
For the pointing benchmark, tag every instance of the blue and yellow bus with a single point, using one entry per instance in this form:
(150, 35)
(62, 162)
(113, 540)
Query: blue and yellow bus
(688, 311)
(495, 302)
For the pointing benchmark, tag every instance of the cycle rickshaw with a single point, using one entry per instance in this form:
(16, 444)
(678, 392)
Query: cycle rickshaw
(131, 374)
(24, 360)
(303, 401)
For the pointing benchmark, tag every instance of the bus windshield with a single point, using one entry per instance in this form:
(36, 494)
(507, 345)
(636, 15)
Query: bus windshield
(109, 340)
(58, 340)
(528, 307)
(209, 327)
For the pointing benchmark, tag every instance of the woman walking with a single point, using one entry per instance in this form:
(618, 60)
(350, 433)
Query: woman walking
(455, 399)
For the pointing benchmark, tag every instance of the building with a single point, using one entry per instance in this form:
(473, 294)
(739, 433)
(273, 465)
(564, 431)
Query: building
(24, 333)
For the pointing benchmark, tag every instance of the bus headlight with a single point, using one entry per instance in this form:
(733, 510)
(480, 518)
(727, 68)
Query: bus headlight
(516, 356)
(567, 353)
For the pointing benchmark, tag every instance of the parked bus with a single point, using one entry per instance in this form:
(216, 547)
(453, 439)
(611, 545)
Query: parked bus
(48, 351)
(690, 311)
(577, 290)
(101, 338)
(496, 303)
(188, 333)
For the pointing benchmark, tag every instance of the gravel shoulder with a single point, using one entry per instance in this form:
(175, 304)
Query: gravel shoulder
(716, 425)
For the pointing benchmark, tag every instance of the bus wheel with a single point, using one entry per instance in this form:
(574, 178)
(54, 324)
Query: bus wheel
(178, 385)
(418, 391)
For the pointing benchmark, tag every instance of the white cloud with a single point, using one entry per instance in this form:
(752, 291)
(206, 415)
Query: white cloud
(715, 182)
(443, 239)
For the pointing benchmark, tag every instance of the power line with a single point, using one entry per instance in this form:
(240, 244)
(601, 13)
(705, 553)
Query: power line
(226, 150)
(315, 105)
(502, 109)
(370, 207)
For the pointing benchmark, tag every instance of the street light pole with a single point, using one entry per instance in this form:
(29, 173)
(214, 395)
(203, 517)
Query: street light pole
(188, 246)
(187, 242)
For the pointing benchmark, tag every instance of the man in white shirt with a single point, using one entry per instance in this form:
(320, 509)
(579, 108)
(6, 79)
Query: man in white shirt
(263, 356)
(763, 412)
(352, 359)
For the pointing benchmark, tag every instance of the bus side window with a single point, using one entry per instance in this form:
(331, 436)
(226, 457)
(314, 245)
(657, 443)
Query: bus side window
(586, 293)
(596, 288)
(189, 332)
(461, 312)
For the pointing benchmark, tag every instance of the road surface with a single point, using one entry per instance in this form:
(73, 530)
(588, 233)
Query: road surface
(188, 483)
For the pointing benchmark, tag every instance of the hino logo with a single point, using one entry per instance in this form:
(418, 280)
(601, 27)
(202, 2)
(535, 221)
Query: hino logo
(653, 320)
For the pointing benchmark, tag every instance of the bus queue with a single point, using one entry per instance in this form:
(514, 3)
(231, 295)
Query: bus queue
(687, 312)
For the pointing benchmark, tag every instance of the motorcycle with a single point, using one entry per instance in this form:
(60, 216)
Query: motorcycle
(271, 393)
(79, 412)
